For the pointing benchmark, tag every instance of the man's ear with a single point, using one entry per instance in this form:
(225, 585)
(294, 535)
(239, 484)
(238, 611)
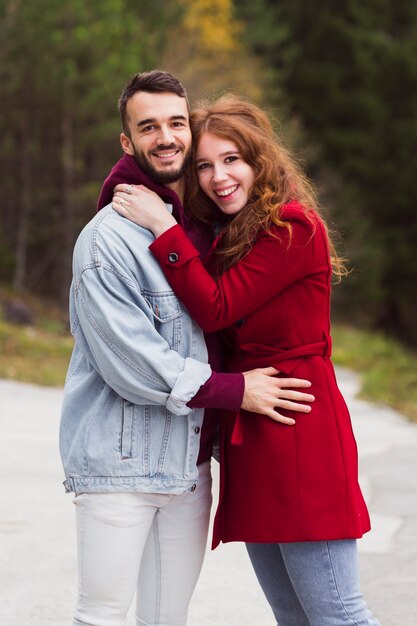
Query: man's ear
(126, 144)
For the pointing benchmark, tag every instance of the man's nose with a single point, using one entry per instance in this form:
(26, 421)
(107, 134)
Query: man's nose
(165, 136)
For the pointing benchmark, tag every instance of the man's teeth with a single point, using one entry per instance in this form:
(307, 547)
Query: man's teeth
(227, 192)
(166, 155)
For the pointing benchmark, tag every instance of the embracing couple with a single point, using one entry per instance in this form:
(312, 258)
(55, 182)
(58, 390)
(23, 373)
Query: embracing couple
(200, 308)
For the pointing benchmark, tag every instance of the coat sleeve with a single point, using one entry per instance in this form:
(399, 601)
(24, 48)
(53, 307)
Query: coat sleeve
(274, 263)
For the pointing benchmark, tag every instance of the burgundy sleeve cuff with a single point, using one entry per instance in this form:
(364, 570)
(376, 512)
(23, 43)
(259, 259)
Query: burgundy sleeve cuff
(220, 391)
(173, 248)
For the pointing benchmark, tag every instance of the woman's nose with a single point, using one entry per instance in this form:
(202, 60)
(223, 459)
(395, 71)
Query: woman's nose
(219, 174)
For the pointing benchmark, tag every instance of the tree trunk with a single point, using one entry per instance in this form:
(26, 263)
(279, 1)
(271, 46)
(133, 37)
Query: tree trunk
(67, 203)
(68, 165)
(23, 221)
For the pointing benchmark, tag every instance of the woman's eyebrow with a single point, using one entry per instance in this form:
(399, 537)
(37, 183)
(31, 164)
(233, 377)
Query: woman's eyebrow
(221, 155)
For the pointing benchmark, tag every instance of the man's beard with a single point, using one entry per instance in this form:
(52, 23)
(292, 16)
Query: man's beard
(160, 176)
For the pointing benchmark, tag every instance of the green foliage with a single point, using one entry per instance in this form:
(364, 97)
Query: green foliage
(342, 74)
(33, 355)
(62, 67)
(389, 371)
(349, 73)
(38, 353)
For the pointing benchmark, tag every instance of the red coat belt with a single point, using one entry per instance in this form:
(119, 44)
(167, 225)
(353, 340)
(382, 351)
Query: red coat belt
(258, 355)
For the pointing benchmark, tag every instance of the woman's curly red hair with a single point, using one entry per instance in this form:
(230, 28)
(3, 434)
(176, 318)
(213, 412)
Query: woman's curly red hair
(278, 177)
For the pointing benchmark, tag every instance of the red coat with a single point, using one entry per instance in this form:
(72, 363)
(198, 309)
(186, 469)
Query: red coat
(278, 483)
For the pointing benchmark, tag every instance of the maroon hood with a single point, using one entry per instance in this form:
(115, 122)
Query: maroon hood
(128, 171)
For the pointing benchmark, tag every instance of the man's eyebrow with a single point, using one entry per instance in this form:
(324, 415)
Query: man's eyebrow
(178, 117)
(153, 120)
(150, 120)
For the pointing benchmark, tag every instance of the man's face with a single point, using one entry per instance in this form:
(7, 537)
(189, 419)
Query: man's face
(160, 135)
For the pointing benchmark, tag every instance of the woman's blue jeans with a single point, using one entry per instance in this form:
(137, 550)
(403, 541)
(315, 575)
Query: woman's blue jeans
(312, 583)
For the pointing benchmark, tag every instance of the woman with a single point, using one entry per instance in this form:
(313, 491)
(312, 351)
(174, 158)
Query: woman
(289, 491)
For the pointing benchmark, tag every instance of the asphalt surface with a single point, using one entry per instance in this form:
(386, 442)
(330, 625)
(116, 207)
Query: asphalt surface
(37, 530)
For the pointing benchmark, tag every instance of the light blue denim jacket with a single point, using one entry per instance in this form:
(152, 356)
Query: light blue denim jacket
(138, 359)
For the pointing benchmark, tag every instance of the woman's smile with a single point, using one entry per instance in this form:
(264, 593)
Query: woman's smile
(226, 193)
(223, 174)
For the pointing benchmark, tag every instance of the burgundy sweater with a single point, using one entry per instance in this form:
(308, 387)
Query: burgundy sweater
(221, 390)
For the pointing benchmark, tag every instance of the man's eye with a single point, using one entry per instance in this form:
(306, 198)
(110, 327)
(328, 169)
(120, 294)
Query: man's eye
(146, 129)
(178, 124)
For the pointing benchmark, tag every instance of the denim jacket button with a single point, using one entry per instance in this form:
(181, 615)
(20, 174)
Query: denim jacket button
(173, 257)
(197, 430)
(193, 488)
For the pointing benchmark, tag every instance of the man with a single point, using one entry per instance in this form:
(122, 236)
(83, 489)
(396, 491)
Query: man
(132, 443)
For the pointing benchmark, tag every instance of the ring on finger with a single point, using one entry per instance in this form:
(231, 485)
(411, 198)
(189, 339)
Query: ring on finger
(128, 189)
(121, 201)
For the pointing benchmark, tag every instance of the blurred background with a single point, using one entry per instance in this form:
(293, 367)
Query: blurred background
(340, 78)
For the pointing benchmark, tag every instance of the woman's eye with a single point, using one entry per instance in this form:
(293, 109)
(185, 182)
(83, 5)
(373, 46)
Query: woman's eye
(203, 166)
(231, 158)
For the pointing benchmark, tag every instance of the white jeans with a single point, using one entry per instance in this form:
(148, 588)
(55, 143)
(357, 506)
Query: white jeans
(153, 544)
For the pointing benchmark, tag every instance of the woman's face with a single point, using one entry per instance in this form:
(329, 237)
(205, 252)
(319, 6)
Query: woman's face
(222, 173)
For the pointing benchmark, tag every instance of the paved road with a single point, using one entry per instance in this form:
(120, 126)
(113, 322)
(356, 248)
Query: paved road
(37, 544)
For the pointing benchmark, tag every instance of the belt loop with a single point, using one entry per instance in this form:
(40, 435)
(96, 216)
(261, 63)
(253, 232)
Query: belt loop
(237, 433)
(329, 346)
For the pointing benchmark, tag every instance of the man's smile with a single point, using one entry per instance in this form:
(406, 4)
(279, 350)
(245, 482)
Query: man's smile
(166, 154)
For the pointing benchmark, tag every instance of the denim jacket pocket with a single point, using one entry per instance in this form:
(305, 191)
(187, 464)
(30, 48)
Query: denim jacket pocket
(127, 430)
(166, 313)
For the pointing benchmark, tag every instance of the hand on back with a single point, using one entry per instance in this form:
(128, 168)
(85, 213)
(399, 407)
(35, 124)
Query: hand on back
(265, 392)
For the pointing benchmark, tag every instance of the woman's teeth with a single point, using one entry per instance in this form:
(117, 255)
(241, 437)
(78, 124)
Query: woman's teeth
(227, 192)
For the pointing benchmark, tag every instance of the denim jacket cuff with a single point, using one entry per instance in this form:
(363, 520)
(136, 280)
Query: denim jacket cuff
(186, 386)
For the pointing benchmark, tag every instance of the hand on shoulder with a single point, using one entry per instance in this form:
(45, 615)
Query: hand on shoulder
(143, 207)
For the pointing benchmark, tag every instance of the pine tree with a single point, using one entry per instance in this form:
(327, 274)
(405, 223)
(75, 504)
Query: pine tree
(349, 72)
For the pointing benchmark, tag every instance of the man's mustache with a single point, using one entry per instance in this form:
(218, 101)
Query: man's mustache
(171, 146)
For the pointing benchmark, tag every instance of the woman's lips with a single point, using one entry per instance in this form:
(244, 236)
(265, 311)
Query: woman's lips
(227, 192)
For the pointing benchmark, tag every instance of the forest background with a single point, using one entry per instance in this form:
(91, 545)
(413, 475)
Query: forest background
(339, 76)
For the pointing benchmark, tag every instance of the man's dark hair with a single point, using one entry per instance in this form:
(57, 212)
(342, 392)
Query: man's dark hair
(151, 82)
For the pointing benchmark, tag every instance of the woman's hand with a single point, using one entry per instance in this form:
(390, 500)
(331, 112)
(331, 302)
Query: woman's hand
(144, 207)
